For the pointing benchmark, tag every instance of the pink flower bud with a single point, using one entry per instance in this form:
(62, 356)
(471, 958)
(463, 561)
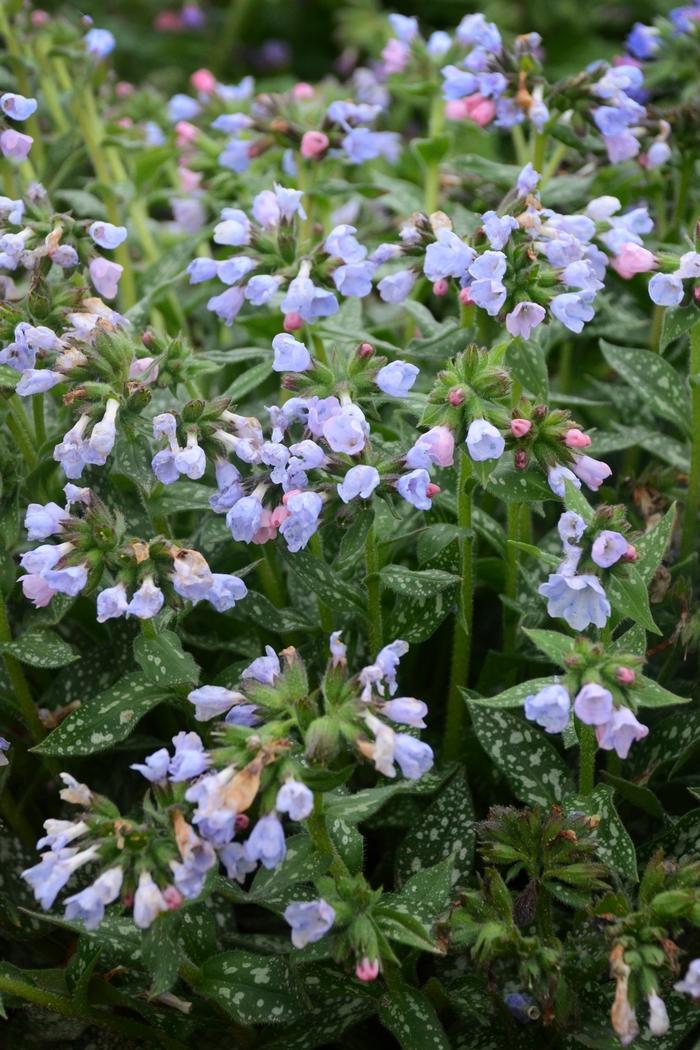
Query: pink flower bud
(365, 350)
(632, 259)
(456, 397)
(302, 91)
(293, 322)
(520, 459)
(520, 427)
(367, 970)
(125, 122)
(474, 107)
(441, 287)
(185, 133)
(242, 822)
(173, 898)
(465, 297)
(625, 675)
(147, 337)
(39, 18)
(314, 144)
(630, 554)
(696, 293)
(279, 514)
(575, 438)
(127, 900)
(123, 89)
(204, 81)
(432, 490)
(289, 382)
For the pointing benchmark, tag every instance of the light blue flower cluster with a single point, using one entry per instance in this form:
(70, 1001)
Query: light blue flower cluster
(616, 725)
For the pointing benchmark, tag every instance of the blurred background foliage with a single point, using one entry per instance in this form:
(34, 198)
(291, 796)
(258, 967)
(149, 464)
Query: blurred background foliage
(307, 38)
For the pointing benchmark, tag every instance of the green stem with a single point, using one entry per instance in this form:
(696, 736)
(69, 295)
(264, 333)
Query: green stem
(320, 836)
(316, 547)
(544, 914)
(684, 180)
(270, 577)
(231, 32)
(552, 165)
(657, 321)
(692, 499)
(510, 619)
(537, 150)
(461, 643)
(587, 750)
(432, 166)
(148, 629)
(519, 145)
(38, 417)
(374, 593)
(19, 428)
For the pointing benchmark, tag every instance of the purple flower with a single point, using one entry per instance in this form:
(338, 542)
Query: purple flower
(234, 229)
(571, 526)
(49, 876)
(44, 520)
(70, 580)
(691, 982)
(225, 591)
(592, 472)
(556, 478)
(304, 510)
(111, 603)
(360, 481)
(396, 378)
(295, 799)
(447, 256)
(666, 289)
(355, 279)
(18, 107)
(642, 41)
(620, 732)
(290, 354)
(523, 318)
(528, 180)
(549, 708)
(164, 468)
(413, 487)
(147, 601)
(149, 902)
(190, 758)
(413, 756)
(38, 381)
(261, 288)
(106, 235)
(434, 448)
(265, 668)
(593, 704)
(14, 145)
(498, 228)
(266, 842)
(233, 858)
(406, 710)
(580, 600)
(608, 547)
(154, 767)
(342, 243)
(457, 83)
(244, 517)
(203, 269)
(99, 42)
(361, 144)
(88, 906)
(227, 305)
(484, 441)
(307, 299)
(573, 309)
(309, 920)
(105, 276)
(346, 430)
(397, 286)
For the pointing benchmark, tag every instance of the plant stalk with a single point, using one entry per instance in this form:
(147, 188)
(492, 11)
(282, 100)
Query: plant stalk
(692, 499)
(374, 593)
(461, 642)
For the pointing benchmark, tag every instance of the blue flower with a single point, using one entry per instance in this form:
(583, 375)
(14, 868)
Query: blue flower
(88, 906)
(396, 378)
(354, 279)
(190, 758)
(266, 842)
(573, 309)
(265, 668)
(498, 228)
(580, 600)
(304, 510)
(360, 481)
(309, 920)
(244, 517)
(295, 799)
(290, 354)
(447, 256)
(549, 708)
(484, 441)
(396, 286)
(414, 488)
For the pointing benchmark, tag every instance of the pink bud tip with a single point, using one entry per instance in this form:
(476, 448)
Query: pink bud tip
(630, 554)
(242, 822)
(147, 337)
(696, 293)
(456, 397)
(432, 490)
(125, 122)
(314, 144)
(127, 900)
(365, 350)
(520, 459)
(287, 496)
(302, 91)
(123, 89)
(289, 382)
(173, 898)
(39, 18)
(203, 80)
(292, 322)
(367, 970)
(625, 675)
(465, 297)
(185, 132)
(520, 427)
(441, 287)
(576, 439)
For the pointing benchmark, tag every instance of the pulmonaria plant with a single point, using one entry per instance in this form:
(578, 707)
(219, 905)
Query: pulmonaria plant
(324, 406)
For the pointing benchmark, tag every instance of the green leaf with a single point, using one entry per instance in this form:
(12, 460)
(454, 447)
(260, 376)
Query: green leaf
(163, 660)
(636, 795)
(410, 1017)
(649, 693)
(574, 500)
(614, 845)
(652, 546)
(553, 644)
(528, 363)
(528, 760)
(302, 864)
(104, 720)
(41, 649)
(518, 486)
(418, 586)
(249, 380)
(322, 581)
(444, 831)
(654, 378)
(352, 544)
(677, 321)
(253, 989)
(627, 592)
(426, 894)
(415, 621)
(669, 739)
(162, 954)
(354, 808)
(433, 150)
(633, 641)
(337, 1004)
(80, 969)
(259, 610)
(513, 697)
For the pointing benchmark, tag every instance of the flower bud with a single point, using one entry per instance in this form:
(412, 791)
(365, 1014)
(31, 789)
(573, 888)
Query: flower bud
(204, 81)
(314, 144)
(173, 898)
(242, 822)
(322, 738)
(465, 297)
(520, 427)
(432, 490)
(625, 675)
(520, 459)
(540, 411)
(292, 322)
(441, 287)
(367, 970)
(575, 438)
(365, 350)
(302, 91)
(630, 554)
(456, 397)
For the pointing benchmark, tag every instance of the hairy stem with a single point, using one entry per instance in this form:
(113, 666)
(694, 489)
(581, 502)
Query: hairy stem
(461, 642)
(431, 184)
(692, 499)
(19, 682)
(374, 593)
(587, 750)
